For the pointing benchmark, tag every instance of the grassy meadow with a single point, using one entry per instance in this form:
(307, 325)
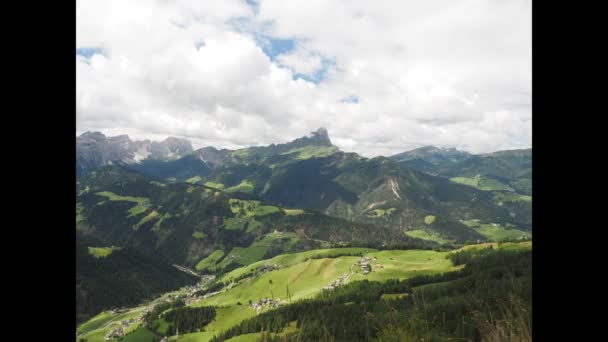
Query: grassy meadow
(303, 274)
(424, 234)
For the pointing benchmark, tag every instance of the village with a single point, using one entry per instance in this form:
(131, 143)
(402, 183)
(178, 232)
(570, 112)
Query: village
(120, 331)
(267, 303)
(189, 294)
(204, 279)
(190, 291)
(190, 297)
(193, 298)
(266, 268)
(338, 282)
(116, 311)
(364, 264)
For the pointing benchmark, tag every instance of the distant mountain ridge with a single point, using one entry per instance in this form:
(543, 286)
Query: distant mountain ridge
(400, 191)
(445, 156)
(316, 141)
(512, 168)
(432, 154)
(175, 159)
(94, 149)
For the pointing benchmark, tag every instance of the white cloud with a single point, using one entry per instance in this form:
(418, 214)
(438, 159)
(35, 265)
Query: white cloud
(447, 73)
(301, 61)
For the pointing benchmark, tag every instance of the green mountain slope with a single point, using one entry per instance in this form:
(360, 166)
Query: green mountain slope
(430, 155)
(266, 221)
(185, 223)
(489, 299)
(512, 168)
(381, 192)
(375, 191)
(115, 277)
(457, 286)
(172, 170)
(503, 166)
(308, 173)
(507, 175)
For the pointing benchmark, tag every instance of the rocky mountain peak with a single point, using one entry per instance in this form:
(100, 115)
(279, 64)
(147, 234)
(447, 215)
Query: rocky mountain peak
(91, 137)
(321, 136)
(318, 138)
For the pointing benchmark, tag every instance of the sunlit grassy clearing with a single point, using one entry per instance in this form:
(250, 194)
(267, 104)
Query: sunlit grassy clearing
(290, 212)
(245, 186)
(496, 232)
(380, 212)
(210, 260)
(219, 186)
(143, 203)
(251, 208)
(102, 252)
(481, 183)
(193, 180)
(199, 235)
(502, 197)
(152, 215)
(425, 235)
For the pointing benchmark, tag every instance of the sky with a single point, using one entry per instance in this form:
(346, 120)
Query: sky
(381, 76)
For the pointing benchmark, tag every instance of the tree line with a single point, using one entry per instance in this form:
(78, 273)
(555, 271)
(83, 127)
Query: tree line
(188, 319)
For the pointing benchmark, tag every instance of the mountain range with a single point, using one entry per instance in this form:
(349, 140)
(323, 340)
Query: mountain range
(512, 168)
(94, 149)
(214, 210)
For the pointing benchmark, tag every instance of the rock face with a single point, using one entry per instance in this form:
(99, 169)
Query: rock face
(212, 156)
(317, 138)
(170, 148)
(94, 149)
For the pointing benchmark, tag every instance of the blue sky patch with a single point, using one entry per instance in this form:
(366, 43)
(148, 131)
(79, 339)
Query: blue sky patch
(199, 45)
(318, 76)
(254, 5)
(88, 52)
(273, 47)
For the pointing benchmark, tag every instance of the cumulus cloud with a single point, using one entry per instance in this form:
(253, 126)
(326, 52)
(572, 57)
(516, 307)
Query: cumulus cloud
(402, 74)
(301, 61)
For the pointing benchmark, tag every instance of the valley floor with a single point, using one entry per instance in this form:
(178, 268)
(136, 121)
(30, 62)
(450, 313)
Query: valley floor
(293, 277)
